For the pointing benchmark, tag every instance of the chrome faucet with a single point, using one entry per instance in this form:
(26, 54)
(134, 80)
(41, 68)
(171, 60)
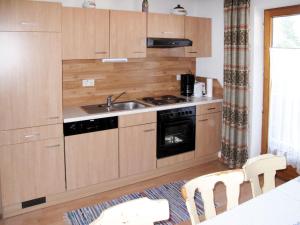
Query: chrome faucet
(110, 102)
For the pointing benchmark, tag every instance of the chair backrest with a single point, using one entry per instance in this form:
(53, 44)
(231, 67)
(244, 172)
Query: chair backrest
(267, 165)
(205, 185)
(136, 212)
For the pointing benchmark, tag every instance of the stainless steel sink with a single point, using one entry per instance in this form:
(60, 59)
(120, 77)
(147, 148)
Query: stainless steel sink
(120, 106)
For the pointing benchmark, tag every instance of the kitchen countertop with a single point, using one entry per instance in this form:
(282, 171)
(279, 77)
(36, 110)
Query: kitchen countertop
(74, 114)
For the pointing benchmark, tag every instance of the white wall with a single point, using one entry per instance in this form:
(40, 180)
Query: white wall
(213, 66)
(257, 66)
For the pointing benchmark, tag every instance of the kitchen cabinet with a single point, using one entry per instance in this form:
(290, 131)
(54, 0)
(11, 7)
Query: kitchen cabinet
(208, 134)
(91, 158)
(85, 33)
(102, 33)
(137, 149)
(198, 30)
(16, 15)
(31, 170)
(165, 26)
(30, 79)
(127, 34)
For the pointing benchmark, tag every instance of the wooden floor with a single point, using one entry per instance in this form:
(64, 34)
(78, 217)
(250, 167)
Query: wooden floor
(55, 215)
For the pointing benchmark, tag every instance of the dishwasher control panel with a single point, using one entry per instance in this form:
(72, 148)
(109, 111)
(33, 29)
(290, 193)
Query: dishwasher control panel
(88, 126)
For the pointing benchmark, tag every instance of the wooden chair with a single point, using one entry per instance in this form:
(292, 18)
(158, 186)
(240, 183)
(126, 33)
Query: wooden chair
(142, 211)
(205, 185)
(266, 164)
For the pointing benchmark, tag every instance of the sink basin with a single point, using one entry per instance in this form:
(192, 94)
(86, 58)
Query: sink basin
(120, 106)
(128, 105)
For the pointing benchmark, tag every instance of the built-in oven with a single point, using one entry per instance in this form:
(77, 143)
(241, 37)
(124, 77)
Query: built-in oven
(175, 131)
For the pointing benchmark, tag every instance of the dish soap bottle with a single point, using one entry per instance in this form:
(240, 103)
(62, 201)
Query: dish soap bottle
(145, 6)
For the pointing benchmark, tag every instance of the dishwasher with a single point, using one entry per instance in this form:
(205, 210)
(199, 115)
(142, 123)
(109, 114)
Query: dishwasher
(91, 152)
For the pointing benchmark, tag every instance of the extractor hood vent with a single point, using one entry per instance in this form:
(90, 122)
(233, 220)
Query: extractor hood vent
(168, 42)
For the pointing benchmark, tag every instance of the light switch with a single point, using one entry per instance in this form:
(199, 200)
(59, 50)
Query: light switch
(88, 83)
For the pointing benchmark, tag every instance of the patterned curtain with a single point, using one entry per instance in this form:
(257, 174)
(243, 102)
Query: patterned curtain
(236, 75)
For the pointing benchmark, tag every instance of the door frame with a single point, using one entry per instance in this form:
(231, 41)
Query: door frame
(290, 172)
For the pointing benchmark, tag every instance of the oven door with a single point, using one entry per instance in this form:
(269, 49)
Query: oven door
(175, 136)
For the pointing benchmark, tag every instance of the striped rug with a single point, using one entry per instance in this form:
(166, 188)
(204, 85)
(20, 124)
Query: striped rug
(171, 192)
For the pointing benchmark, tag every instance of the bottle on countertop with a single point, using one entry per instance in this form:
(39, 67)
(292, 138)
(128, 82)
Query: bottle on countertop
(145, 6)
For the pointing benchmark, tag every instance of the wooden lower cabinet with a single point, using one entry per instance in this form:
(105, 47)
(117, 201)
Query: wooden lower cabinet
(137, 149)
(208, 134)
(31, 170)
(91, 158)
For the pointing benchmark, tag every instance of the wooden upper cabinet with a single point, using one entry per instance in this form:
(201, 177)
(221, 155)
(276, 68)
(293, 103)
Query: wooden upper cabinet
(165, 26)
(127, 34)
(30, 79)
(198, 30)
(16, 15)
(102, 33)
(78, 33)
(85, 33)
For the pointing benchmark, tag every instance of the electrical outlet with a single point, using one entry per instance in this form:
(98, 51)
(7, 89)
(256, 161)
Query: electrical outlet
(178, 77)
(88, 83)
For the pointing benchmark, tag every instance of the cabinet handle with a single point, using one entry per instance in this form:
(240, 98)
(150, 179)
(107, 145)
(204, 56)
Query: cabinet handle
(192, 52)
(168, 32)
(100, 52)
(31, 135)
(203, 120)
(138, 52)
(32, 24)
(53, 146)
(211, 108)
(149, 130)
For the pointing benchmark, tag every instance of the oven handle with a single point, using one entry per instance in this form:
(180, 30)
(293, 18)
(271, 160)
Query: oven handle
(176, 122)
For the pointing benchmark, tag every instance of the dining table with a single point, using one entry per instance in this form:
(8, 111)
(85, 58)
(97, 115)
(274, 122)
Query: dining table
(280, 206)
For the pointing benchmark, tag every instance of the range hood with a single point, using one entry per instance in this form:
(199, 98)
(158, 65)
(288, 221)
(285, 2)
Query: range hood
(168, 42)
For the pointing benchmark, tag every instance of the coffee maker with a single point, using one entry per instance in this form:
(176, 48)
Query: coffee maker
(187, 84)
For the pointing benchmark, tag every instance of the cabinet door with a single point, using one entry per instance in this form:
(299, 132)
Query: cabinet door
(102, 33)
(165, 26)
(137, 149)
(30, 79)
(127, 34)
(32, 170)
(91, 158)
(78, 33)
(16, 15)
(208, 134)
(199, 31)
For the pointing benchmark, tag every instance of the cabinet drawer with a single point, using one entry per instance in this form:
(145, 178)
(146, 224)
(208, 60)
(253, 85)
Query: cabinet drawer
(209, 108)
(30, 134)
(137, 119)
(16, 15)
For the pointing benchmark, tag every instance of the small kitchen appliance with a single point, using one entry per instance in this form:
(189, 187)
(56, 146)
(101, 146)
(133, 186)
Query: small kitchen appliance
(187, 85)
(199, 89)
